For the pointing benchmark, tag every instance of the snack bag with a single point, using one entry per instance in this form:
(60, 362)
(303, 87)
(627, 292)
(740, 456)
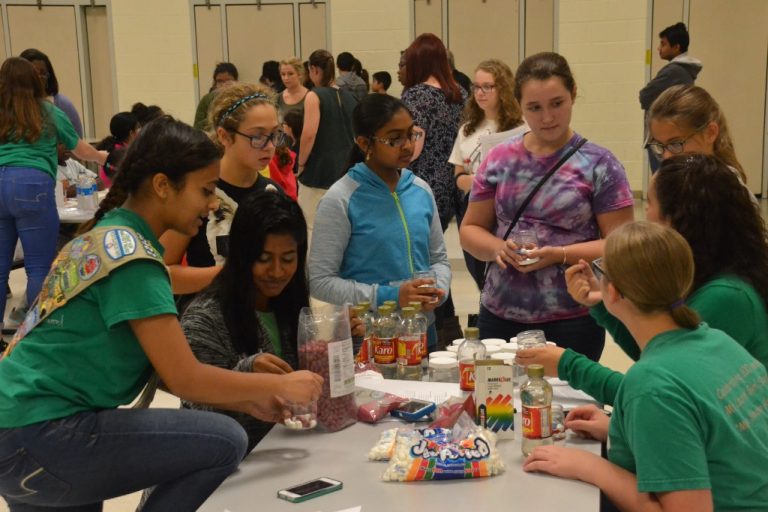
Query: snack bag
(433, 454)
(325, 347)
(384, 447)
(375, 405)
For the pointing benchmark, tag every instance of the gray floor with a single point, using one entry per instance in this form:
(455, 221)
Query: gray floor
(466, 299)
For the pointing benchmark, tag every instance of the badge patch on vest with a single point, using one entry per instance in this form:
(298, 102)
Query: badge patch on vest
(119, 243)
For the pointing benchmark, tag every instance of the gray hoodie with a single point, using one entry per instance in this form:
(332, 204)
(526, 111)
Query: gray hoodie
(680, 70)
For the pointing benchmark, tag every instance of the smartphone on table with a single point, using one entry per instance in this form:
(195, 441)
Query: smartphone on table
(309, 490)
(414, 410)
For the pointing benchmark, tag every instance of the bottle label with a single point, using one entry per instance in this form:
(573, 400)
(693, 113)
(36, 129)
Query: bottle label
(537, 422)
(424, 353)
(409, 350)
(364, 356)
(467, 378)
(383, 350)
(341, 369)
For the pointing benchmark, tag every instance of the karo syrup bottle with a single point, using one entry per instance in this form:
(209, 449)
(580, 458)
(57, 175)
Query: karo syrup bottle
(536, 397)
(469, 351)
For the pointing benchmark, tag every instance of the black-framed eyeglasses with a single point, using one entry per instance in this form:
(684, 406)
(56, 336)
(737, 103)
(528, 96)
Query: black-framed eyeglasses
(486, 88)
(597, 268)
(277, 138)
(677, 147)
(398, 142)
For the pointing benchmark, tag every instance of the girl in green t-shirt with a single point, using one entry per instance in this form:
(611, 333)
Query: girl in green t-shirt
(64, 441)
(30, 128)
(689, 424)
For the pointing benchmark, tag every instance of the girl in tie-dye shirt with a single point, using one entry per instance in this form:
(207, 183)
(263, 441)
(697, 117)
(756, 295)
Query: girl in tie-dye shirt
(579, 205)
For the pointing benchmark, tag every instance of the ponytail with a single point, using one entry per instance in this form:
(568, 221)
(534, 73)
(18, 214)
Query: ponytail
(684, 316)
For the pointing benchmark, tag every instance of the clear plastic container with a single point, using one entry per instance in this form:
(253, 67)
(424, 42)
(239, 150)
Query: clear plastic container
(443, 369)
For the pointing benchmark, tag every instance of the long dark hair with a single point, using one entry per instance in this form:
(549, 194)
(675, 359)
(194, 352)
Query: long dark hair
(51, 86)
(22, 116)
(260, 214)
(323, 60)
(706, 202)
(163, 146)
(373, 112)
(425, 57)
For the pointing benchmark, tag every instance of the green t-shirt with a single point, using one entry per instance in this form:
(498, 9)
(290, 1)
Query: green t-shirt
(268, 321)
(727, 303)
(41, 154)
(84, 356)
(692, 413)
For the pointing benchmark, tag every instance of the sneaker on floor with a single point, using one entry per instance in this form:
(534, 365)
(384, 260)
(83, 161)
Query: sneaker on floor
(16, 317)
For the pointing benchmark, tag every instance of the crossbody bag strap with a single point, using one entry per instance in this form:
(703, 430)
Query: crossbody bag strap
(533, 192)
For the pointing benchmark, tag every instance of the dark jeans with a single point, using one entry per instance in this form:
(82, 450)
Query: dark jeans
(27, 212)
(580, 334)
(75, 463)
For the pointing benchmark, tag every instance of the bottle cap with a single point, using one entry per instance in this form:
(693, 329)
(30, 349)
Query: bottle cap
(472, 333)
(385, 309)
(416, 305)
(392, 303)
(408, 311)
(359, 310)
(536, 371)
(365, 304)
(443, 362)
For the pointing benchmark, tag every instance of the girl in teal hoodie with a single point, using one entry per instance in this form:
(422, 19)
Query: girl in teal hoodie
(378, 224)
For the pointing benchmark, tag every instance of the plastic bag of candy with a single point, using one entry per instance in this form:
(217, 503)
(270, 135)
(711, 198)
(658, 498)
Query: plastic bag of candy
(384, 447)
(449, 411)
(438, 454)
(375, 405)
(325, 347)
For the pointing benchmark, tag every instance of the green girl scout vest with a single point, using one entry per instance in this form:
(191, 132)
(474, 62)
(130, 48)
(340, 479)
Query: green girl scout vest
(84, 261)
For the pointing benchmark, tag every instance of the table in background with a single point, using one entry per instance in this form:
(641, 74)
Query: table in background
(286, 458)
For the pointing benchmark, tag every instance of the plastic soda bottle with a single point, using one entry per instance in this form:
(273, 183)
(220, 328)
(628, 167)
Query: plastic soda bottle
(409, 346)
(536, 397)
(470, 350)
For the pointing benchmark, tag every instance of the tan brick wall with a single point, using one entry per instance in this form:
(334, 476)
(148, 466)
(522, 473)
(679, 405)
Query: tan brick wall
(153, 55)
(604, 42)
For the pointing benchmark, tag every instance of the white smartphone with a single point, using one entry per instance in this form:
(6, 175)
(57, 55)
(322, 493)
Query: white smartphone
(309, 490)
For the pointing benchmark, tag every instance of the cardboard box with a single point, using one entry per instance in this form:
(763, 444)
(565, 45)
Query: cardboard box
(494, 392)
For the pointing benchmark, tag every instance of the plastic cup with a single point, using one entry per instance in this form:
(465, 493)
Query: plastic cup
(303, 416)
(427, 274)
(558, 422)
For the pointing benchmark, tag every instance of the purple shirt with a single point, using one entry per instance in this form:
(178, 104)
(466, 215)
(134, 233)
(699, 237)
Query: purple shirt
(563, 212)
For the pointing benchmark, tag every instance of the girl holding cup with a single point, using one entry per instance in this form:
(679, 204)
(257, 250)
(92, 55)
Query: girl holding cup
(704, 200)
(689, 426)
(582, 202)
(379, 223)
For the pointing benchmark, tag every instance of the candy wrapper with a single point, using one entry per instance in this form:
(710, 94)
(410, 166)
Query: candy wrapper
(375, 405)
(435, 454)
(449, 411)
(325, 347)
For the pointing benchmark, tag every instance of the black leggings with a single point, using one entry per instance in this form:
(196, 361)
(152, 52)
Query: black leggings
(581, 334)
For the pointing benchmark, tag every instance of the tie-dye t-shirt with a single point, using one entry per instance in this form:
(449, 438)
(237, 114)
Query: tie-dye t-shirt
(563, 212)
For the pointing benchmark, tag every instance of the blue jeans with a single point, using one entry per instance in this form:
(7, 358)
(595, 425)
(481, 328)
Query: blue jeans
(75, 463)
(27, 212)
(581, 334)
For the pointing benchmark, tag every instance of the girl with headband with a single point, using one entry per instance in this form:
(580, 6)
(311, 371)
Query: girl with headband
(246, 127)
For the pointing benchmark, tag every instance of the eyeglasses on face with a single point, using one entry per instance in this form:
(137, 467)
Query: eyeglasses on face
(278, 139)
(398, 142)
(675, 147)
(597, 268)
(486, 88)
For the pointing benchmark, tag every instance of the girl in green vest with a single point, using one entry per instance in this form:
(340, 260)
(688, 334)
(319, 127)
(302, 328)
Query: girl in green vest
(103, 322)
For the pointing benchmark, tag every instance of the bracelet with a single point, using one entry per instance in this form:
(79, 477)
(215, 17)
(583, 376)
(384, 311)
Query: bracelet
(564, 256)
(459, 175)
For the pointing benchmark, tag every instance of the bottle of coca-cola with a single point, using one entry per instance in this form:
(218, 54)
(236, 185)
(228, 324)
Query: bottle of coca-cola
(469, 351)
